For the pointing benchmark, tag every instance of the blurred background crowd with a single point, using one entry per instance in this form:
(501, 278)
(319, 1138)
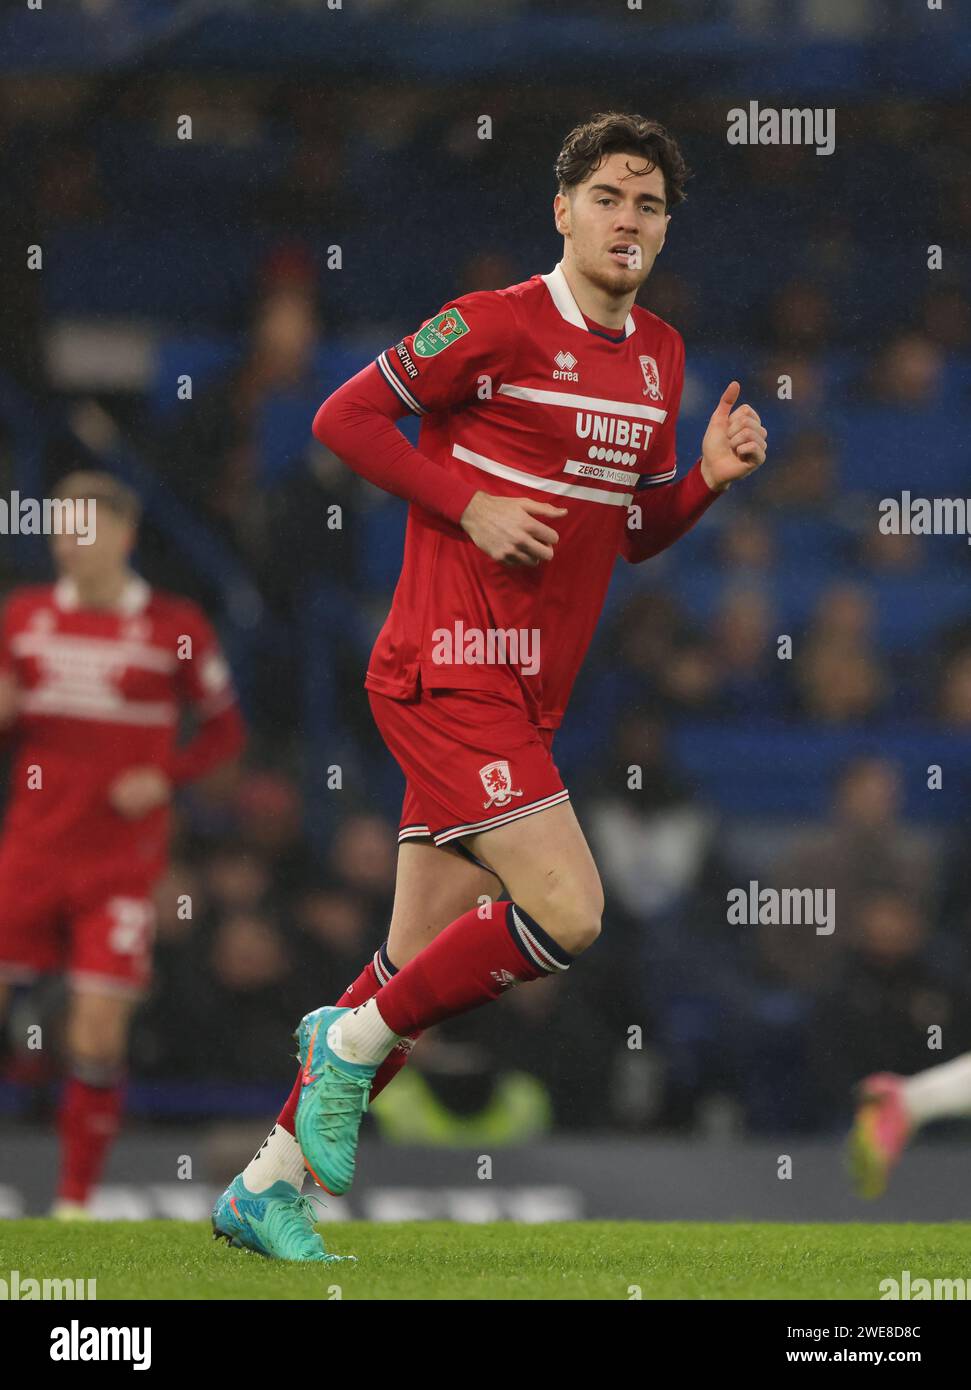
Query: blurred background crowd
(320, 211)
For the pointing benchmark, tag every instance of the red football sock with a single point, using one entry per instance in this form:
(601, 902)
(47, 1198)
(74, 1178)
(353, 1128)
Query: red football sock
(470, 963)
(393, 1063)
(287, 1118)
(88, 1121)
(374, 975)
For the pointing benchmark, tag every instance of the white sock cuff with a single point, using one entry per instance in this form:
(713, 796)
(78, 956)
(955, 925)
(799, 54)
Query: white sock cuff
(361, 1035)
(279, 1158)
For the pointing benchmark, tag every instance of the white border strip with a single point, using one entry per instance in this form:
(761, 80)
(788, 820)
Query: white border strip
(400, 391)
(76, 704)
(538, 952)
(514, 475)
(652, 479)
(77, 648)
(413, 832)
(379, 968)
(504, 819)
(594, 403)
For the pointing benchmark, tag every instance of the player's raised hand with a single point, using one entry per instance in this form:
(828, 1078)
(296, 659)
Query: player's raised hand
(509, 530)
(139, 790)
(734, 443)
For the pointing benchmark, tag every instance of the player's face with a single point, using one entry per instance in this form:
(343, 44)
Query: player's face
(615, 223)
(96, 559)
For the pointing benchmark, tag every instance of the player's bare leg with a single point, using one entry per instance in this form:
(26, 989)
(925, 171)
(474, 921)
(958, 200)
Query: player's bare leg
(96, 1039)
(557, 902)
(432, 887)
(891, 1110)
(548, 869)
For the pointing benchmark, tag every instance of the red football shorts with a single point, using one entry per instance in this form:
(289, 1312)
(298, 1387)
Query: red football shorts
(471, 759)
(95, 922)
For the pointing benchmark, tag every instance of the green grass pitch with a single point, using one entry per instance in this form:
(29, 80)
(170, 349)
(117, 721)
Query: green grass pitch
(441, 1260)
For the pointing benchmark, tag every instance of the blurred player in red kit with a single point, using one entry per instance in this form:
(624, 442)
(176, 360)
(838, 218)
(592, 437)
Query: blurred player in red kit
(96, 671)
(547, 449)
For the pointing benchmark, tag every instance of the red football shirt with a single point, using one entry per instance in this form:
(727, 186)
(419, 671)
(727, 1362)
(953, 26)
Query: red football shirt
(102, 691)
(523, 396)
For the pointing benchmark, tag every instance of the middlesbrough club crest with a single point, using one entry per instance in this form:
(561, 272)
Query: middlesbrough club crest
(497, 781)
(652, 378)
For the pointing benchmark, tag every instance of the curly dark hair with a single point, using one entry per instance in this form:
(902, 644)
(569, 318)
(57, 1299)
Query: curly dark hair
(619, 132)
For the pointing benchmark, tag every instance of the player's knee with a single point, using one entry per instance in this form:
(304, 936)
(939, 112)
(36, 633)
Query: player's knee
(97, 1049)
(100, 1036)
(574, 919)
(583, 931)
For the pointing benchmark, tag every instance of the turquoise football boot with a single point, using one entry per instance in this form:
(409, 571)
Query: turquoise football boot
(277, 1223)
(333, 1099)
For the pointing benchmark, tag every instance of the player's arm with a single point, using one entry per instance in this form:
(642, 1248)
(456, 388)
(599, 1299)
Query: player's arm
(209, 693)
(357, 423)
(9, 700)
(734, 446)
(206, 688)
(9, 689)
(662, 515)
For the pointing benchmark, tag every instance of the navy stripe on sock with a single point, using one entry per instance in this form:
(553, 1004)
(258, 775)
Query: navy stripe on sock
(543, 939)
(386, 959)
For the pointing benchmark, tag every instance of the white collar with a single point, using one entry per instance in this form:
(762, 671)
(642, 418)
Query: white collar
(562, 296)
(133, 599)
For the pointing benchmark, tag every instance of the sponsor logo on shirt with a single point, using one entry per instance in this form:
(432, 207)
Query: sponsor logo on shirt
(612, 429)
(597, 470)
(440, 333)
(497, 780)
(652, 378)
(565, 362)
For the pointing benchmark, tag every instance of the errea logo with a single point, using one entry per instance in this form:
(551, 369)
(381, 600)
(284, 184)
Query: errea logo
(565, 362)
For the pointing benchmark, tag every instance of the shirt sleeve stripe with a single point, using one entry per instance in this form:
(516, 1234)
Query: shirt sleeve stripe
(652, 480)
(401, 391)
